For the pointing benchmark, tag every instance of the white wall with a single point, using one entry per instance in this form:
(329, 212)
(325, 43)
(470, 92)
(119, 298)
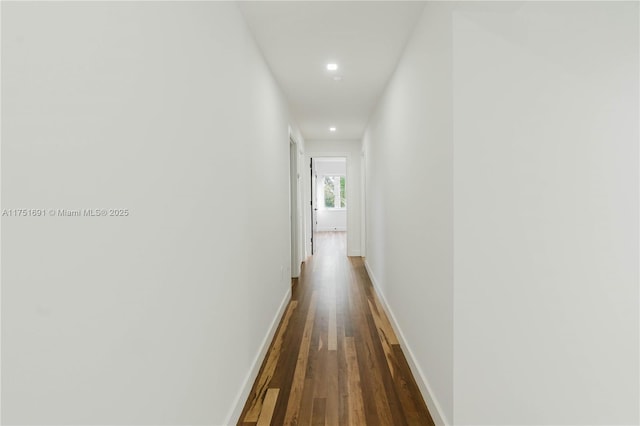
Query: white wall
(165, 109)
(351, 151)
(332, 220)
(516, 125)
(409, 216)
(331, 166)
(546, 214)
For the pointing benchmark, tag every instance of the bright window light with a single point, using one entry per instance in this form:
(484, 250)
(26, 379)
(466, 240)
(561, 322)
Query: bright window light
(332, 67)
(332, 192)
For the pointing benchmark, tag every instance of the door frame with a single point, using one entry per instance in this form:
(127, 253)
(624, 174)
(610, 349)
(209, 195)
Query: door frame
(363, 203)
(313, 178)
(296, 228)
(307, 196)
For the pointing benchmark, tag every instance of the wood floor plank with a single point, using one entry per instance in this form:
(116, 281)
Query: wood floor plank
(383, 321)
(297, 386)
(318, 357)
(415, 409)
(283, 376)
(371, 362)
(385, 376)
(262, 382)
(384, 341)
(333, 395)
(305, 411)
(343, 375)
(335, 359)
(268, 406)
(333, 331)
(319, 409)
(356, 406)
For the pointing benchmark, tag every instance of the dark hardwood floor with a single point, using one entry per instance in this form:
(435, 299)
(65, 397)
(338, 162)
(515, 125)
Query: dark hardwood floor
(335, 359)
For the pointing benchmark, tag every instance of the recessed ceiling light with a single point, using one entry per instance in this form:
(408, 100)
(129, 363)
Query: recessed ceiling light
(332, 67)
(332, 129)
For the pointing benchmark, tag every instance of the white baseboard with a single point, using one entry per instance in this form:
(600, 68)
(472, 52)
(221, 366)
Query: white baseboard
(238, 405)
(432, 403)
(353, 253)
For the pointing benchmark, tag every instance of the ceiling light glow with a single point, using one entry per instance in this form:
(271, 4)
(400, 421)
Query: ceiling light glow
(332, 67)
(332, 129)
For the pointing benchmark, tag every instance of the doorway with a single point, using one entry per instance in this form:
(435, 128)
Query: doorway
(329, 197)
(294, 208)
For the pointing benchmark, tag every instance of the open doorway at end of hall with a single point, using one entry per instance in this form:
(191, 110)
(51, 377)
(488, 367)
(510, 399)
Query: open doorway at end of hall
(329, 197)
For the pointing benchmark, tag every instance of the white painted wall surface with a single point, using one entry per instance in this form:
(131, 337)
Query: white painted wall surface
(153, 318)
(332, 220)
(409, 217)
(331, 166)
(351, 150)
(515, 241)
(546, 213)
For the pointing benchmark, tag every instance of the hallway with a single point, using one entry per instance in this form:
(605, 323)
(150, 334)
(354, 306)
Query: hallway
(161, 187)
(335, 358)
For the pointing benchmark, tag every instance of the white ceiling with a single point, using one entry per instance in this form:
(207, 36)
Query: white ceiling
(298, 39)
